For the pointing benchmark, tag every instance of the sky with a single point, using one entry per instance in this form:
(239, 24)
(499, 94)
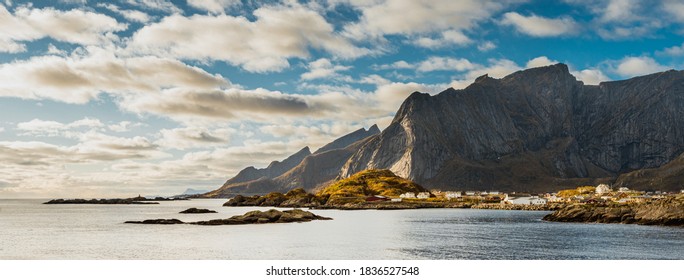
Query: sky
(120, 98)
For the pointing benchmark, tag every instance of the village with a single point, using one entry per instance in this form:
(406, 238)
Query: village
(600, 194)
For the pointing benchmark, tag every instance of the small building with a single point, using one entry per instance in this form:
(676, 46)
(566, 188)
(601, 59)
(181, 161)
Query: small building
(408, 195)
(423, 195)
(682, 191)
(603, 188)
(377, 198)
(623, 189)
(470, 193)
(452, 195)
(525, 200)
(494, 193)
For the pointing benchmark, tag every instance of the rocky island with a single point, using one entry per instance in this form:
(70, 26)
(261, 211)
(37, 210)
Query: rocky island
(132, 200)
(252, 217)
(665, 212)
(194, 210)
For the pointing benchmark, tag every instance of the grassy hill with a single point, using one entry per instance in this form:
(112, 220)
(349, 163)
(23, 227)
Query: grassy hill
(367, 183)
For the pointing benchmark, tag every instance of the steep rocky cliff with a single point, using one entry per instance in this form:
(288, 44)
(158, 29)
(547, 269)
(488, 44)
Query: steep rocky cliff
(534, 130)
(301, 170)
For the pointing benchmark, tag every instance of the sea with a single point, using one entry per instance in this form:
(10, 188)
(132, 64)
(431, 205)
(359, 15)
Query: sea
(36, 231)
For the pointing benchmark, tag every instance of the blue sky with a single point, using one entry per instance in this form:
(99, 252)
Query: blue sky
(117, 98)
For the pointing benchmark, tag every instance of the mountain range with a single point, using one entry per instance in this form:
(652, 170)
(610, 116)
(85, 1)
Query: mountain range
(534, 130)
(302, 169)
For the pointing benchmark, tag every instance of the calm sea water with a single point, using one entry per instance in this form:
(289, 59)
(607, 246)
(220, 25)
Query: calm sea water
(31, 230)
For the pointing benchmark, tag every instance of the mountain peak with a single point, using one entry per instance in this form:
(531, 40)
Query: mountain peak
(374, 129)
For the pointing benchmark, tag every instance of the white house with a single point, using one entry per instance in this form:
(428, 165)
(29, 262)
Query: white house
(623, 189)
(470, 193)
(494, 192)
(526, 200)
(423, 195)
(603, 188)
(408, 195)
(452, 195)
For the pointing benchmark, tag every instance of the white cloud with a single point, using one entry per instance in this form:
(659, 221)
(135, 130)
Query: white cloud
(398, 17)
(637, 66)
(193, 137)
(131, 15)
(264, 45)
(540, 61)
(674, 8)
(123, 126)
(673, 51)
(323, 68)
(444, 64)
(157, 5)
(538, 26)
(620, 10)
(73, 26)
(447, 39)
(486, 46)
(401, 64)
(54, 50)
(38, 127)
(80, 78)
(8, 46)
(214, 6)
(590, 76)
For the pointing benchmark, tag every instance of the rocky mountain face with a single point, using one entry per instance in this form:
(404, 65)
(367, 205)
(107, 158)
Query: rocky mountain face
(301, 170)
(349, 139)
(274, 169)
(535, 130)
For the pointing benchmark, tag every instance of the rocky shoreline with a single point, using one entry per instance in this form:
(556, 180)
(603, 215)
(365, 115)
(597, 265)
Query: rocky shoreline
(664, 212)
(312, 203)
(252, 217)
(499, 206)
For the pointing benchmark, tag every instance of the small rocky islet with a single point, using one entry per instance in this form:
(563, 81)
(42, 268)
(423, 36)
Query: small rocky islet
(194, 210)
(252, 217)
(664, 212)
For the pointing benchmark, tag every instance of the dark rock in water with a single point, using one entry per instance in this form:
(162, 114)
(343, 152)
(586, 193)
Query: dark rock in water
(197, 211)
(264, 217)
(157, 222)
(102, 201)
(664, 212)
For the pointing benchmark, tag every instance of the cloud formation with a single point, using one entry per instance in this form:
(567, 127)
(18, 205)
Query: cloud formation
(538, 26)
(72, 26)
(278, 34)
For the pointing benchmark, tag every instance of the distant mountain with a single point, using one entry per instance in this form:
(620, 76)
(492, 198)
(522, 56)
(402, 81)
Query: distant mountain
(303, 169)
(274, 169)
(191, 191)
(535, 130)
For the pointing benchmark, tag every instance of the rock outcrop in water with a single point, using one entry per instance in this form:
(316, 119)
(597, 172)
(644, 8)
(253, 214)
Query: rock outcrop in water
(265, 217)
(535, 130)
(196, 211)
(664, 212)
(252, 217)
(157, 222)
